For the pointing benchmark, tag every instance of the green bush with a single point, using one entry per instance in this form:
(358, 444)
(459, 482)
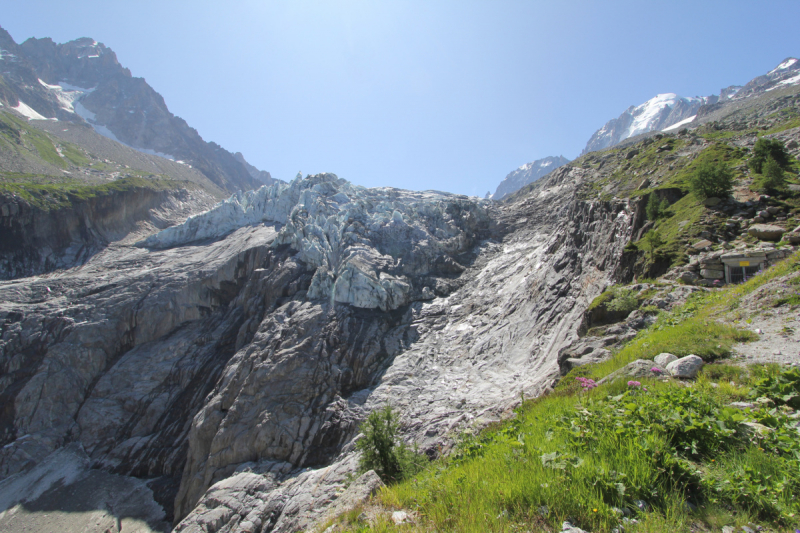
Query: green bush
(651, 241)
(783, 389)
(774, 179)
(765, 149)
(711, 179)
(381, 450)
(624, 300)
(655, 208)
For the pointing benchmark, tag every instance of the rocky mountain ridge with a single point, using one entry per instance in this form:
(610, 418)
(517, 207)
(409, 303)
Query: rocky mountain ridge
(527, 174)
(82, 81)
(669, 111)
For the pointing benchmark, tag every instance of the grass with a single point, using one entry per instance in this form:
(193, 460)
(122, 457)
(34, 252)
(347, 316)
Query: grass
(18, 136)
(48, 193)
(584, 454)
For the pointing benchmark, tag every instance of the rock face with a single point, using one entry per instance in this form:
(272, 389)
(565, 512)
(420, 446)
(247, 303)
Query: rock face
(82, 80)
(231, 365)
(36, 240)
(526, 174)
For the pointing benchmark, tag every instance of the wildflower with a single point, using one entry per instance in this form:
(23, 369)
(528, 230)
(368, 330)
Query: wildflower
(655, 370)
(594, 510)
(634, 384)
(586, 383)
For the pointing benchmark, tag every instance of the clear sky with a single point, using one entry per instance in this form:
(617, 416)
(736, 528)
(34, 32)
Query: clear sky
(447, 95)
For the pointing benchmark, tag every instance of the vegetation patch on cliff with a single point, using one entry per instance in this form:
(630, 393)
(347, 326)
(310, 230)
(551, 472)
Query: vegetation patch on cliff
(48, 193)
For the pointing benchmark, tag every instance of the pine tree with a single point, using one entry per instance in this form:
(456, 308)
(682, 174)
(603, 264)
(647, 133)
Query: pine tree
(711, 179)
(774, 178)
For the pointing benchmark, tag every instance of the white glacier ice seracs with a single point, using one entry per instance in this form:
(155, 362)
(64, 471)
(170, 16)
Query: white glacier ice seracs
(366, 246)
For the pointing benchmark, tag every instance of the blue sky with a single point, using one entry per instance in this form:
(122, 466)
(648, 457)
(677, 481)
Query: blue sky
(447, 95)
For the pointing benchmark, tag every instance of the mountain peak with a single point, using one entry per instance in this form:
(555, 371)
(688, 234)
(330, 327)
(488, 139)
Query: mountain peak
(528, 173)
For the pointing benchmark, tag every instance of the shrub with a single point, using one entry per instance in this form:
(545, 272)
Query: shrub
(651, 242)
(381, 451)
(656, 208)
(624, 300)
(711, 179)
(783, 389)
(765, 149)
(774, 179)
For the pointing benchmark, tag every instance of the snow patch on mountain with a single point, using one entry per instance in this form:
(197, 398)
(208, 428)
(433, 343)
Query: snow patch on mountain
(66, 97)
(786, 64)
(789, 81)
(28, 112)
(681, 123)
(659, 113)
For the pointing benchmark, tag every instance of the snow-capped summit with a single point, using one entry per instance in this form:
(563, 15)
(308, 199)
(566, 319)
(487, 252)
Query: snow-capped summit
(660, 113)
(527, 173)
(668, 111)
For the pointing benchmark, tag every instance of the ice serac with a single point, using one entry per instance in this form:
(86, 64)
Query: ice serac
(527, 174)
(370, 248)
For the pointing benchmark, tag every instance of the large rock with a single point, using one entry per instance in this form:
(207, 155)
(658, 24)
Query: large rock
(766, 232)
(685, 367)
(640, 368)
(708, 273)
(663, 359)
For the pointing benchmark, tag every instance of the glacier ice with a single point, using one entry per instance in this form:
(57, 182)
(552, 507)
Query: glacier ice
(370, 248)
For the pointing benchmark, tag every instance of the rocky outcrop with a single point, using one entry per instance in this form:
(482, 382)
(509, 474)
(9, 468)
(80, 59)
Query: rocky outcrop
(36, 240)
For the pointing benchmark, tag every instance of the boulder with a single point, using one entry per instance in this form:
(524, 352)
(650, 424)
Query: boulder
(708, 273)
(689, 277)
(567, 527)
(641, 368)
(766, 232)
(793, 236)
(702, 244)
(685, 367)
(663, 359)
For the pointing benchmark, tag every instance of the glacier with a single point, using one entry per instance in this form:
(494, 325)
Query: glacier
(368, 247)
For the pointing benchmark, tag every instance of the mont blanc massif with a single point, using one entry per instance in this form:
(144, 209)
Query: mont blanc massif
(187, 344)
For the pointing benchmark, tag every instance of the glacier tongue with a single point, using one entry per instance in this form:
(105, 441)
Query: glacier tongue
(369, 247)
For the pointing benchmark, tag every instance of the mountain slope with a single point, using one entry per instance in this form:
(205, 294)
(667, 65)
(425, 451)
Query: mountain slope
(526, 174)
(82, 81)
